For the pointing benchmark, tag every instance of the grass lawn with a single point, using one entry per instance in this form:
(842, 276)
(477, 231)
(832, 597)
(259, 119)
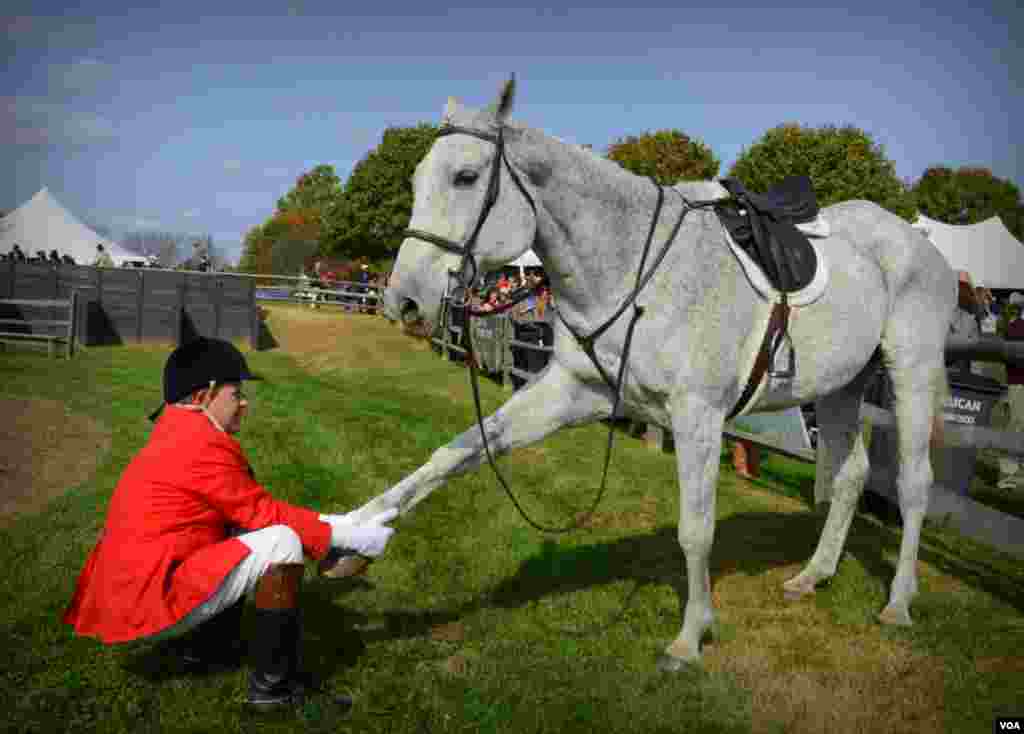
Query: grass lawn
(472, 621)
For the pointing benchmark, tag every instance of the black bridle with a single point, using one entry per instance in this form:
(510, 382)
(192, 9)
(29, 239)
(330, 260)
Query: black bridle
(466, 247)
(464, 284)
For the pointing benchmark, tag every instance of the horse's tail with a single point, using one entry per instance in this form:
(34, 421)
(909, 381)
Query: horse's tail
(940, 395)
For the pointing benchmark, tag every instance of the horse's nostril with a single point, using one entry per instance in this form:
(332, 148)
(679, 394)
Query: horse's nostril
(408, 310)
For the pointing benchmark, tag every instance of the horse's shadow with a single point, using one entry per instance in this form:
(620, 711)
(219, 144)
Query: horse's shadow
(748, 543)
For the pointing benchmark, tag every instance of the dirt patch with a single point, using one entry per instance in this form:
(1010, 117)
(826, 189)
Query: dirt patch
(644, 518)
(1004, 664)
(450, 632)
(328, 340)
(44, 450)
(455, 665)
(807, 675)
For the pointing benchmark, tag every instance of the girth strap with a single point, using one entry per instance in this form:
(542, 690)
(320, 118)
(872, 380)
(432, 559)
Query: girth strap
(778, 323)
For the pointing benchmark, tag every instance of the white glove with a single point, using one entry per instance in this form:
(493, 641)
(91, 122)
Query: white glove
(368, 538)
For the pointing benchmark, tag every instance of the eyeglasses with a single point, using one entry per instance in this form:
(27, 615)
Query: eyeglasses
(240, 396)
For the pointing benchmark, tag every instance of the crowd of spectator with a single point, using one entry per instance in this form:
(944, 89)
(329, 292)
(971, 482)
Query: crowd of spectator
(492, 296)
(102, 259)
(54, 258)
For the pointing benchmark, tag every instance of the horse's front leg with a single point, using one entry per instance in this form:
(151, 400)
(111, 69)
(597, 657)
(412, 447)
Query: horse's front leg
(556, 399)
(697, 427)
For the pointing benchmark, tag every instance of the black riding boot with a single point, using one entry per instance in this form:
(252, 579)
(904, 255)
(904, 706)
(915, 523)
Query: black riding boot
(217, 642)
(274, 678)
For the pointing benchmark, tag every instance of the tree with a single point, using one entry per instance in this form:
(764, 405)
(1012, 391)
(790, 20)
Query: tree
(283, 243)
(969, 195)
(257, 252)
(667, 156)
(842, 163)
(317, 190)
(376, 203)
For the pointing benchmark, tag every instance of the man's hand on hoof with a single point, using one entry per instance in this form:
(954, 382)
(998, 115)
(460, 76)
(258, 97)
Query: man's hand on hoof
(368, 538)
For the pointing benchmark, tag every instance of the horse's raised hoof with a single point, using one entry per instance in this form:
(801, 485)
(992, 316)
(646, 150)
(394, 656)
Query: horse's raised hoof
(797, 588)
(673, 664)
(898, 616)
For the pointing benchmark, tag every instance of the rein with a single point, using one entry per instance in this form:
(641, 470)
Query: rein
(465, 249)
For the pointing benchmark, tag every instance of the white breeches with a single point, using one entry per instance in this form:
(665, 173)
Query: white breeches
(274, 544)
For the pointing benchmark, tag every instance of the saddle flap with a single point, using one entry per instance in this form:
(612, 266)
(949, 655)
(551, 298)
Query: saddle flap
(765, 226)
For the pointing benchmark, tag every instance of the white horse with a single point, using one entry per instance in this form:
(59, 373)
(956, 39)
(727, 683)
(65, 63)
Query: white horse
(693, 347)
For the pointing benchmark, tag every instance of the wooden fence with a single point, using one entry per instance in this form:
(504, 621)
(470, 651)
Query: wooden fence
(119, 305)
(47, 324)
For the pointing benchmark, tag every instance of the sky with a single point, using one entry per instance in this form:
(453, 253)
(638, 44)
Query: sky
(197, 117)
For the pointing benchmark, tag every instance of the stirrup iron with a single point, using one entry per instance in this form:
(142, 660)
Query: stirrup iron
(782, 341)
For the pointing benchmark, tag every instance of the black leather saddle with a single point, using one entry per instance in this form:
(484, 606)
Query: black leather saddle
(764, 226)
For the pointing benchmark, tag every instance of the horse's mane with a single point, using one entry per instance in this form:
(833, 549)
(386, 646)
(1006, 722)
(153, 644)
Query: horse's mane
(609, 169)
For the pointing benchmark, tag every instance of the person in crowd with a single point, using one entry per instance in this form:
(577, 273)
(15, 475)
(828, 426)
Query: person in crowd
(54, 257)
(67, 259)
(987, 316)
(17, 254)
(364, 287)
(965, 322)
(40, 256)
(493, 301)
(503, 284)
(543, 299)
(1010, 474)
(189, 533)
(103, 258)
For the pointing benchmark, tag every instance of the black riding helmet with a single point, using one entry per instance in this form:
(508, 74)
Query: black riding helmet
(194, 365)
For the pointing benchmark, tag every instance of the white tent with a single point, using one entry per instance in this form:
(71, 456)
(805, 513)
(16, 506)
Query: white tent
(528, 259)
(987, 250)
(42, 223)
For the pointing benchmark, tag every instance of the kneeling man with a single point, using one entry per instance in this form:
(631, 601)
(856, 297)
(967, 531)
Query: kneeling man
(189, 533)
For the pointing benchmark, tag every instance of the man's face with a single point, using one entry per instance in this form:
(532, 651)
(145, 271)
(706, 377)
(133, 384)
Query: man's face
(229, 407)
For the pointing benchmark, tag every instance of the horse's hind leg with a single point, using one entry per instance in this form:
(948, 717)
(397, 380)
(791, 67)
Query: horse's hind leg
(843, 466)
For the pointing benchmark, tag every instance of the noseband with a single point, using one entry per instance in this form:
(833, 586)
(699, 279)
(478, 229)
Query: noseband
(460, 295)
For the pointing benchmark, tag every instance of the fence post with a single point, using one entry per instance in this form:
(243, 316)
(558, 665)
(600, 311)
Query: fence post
(180, 321)
(218, 292)
(73, 318)
(254, 316)
(658, 438)
(506, 348)
(140, 306)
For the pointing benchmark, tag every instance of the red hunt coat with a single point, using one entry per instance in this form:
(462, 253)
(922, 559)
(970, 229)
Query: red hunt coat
(165, 547)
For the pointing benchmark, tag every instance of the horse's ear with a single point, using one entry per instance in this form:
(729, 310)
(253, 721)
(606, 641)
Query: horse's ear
(450, 108)
(502, 107)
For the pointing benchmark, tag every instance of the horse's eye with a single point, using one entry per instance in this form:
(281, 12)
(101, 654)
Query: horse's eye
(466, 178)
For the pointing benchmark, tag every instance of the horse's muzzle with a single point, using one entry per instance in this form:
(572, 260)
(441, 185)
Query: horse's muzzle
(412, 320)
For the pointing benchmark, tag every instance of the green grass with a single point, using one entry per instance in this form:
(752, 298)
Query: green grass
(474, 622)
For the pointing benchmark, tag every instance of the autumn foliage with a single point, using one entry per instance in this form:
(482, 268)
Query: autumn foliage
(667, 156)
(843, 163)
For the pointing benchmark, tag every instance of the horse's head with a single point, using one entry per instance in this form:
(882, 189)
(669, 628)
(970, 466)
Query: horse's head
(472, 212)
